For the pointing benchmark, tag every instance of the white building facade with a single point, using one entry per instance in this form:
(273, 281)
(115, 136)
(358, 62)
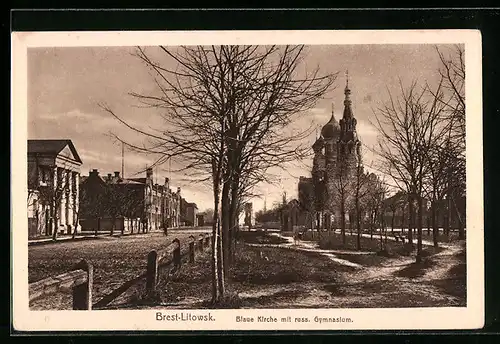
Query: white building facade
(53, 187)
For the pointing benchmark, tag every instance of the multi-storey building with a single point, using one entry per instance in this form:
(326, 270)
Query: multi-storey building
(191, 214)
(138, 202)
(53, 187)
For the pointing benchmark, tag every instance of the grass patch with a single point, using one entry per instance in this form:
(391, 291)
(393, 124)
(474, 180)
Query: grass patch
(251, 269)
(278, 296)
(366, 260)
(335, 289)
(455, 281)
(333, 241)
(260, 237)
(191, 280)
(282, 266)
(231, 300)
(415, 270)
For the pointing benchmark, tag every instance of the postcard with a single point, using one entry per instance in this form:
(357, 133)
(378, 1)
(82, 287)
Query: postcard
(247, 180)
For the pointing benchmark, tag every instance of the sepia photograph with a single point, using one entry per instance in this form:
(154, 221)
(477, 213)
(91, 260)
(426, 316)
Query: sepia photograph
(209, 176)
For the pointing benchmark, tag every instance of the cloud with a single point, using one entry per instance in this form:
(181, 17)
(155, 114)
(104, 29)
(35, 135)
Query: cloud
(366, 130)
(67, 83)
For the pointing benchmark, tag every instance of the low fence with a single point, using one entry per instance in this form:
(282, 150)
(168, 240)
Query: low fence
(173, 254)
(170, 255)
(79, 281)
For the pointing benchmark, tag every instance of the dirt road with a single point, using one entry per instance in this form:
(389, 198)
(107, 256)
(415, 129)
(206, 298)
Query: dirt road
(115, 259)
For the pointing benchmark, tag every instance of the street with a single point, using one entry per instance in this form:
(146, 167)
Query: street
(115, 260)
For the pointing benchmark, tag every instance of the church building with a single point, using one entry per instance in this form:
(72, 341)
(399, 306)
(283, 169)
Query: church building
(336, 155)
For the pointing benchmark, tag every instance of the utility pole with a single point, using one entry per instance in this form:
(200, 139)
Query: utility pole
(123, 161)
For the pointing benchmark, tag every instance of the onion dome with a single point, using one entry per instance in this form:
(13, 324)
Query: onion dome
(331, 129)
(318, 144)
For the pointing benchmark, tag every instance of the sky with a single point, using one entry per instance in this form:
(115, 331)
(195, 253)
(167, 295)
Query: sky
(67, 84)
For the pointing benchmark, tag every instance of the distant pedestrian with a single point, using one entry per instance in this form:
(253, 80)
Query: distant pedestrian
(297, 236)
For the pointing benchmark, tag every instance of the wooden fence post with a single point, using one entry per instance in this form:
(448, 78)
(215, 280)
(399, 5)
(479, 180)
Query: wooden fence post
(177, 254)
(152, 272)
(191, 249)
(82, 294)
(207, 240)
(201, 242)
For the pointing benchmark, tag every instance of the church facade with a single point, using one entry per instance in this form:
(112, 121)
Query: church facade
(337, 152)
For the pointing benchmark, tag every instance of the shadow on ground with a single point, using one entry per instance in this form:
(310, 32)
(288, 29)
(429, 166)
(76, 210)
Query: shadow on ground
(282, 277)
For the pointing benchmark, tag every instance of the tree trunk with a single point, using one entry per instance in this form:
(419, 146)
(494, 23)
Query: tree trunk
(342, 222)
(226, 223)
(233, 215)
(385, 232)
(460, 223)
(428, 225)
(54, 225)
(403, 216)
(213, 261)
(381, 241)
(435, 228)
(358, 225)
(411, 213)
(461, 229)
(371, 226)
(392, 221)
(448, 217)
(419, 228)
(215, 242)
(220, 262)
(350, 222)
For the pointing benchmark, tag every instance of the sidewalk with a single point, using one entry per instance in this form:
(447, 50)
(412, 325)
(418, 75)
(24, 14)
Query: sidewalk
(64, 237)
(69, 237)
(86, 236)
(91, 235)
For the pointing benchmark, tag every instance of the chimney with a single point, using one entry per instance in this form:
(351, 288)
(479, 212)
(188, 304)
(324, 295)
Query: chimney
(149, 173)
(109, 176)
(179, 190)
(94, 172)
(117, 174)
(166, 180)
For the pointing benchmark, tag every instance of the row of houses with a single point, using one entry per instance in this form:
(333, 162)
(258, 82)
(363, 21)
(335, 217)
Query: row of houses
(449, 213)
(60, 199)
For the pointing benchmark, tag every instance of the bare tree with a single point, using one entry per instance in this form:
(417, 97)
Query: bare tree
(408, 126)
(55, 191)
(119, 201)
(362, 191)
(447, 179)
(340, 190)
(453, 73)
(225, 110)
(436, 182)
(374, 199)
(306, 202)
(91, 205)
(395, 203)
